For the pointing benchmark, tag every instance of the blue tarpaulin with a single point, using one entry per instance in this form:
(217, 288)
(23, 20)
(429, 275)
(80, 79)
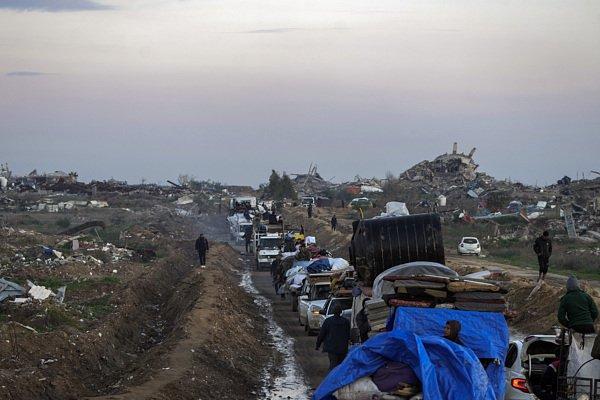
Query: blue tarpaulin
(446, 370)
(320, 265)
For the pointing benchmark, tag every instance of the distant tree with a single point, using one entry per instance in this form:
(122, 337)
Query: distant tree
(280, 187)
(287, 188)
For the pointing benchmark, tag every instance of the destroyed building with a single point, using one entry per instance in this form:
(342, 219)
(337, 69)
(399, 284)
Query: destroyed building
(448, 167)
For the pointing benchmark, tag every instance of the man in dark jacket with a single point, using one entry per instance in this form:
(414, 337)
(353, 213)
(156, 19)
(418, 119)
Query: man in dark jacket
(202, 248)
(577, 310)
(362, 322)
(335, 337)
(333, 222)
(543, 249)
(309, 210)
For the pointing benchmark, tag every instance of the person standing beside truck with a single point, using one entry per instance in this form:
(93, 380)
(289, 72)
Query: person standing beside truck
(335, 337)
(577, 310)
(202, 249)
(362, 322)
(247, 240)
(543, 248)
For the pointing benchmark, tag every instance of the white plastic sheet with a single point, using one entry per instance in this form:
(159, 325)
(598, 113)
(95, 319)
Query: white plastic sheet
(338, 264)
(362, 389)
(395, 209)
(579, 356)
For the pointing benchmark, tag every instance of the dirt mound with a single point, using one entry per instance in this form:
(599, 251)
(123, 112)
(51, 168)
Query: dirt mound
(189, 332)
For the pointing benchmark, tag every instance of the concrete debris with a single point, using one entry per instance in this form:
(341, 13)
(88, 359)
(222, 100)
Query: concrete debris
(10, 289)
(38, 292)
(184, 200)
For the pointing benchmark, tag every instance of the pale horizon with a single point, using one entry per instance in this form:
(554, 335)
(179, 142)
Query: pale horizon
(229, 90)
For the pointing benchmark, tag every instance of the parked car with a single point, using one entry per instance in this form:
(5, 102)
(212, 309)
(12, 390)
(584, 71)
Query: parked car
(469, 245)
(361, 202)
(327, 310)
(526, 361)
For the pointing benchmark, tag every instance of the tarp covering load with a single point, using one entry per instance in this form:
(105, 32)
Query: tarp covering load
(381, 286)
(327, 264)
(446, 370)
(378, 244)
(491, 345)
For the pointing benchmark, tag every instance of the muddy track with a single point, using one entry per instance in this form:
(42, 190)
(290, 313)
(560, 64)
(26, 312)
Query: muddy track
(215, 351)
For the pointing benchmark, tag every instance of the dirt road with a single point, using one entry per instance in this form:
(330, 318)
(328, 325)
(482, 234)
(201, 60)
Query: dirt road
(313, 363)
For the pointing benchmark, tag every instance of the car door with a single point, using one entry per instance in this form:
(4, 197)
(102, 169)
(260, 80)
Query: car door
(516, 383)
(303, 303)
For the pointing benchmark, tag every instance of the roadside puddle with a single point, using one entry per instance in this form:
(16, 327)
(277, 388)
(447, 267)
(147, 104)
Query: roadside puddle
(289, 383)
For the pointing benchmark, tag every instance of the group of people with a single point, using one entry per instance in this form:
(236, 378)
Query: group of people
(577, 310)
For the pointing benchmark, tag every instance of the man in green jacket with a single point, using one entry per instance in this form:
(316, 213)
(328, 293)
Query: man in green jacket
(577, 310)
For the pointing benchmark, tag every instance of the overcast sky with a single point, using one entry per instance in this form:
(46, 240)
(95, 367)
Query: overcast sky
(229, 89)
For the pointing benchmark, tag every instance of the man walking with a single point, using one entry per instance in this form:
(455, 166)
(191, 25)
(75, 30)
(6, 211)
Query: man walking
(310, 210)
(577, 310)
(202, 248)
(335, 337)
(247, 240)
(543, 249)
(333, 223)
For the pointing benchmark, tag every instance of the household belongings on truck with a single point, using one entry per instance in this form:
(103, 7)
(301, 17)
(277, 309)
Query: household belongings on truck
(426, 285)
(299, 269)
(442, 369)
(381, 243)
(581, 378)
(399, 287)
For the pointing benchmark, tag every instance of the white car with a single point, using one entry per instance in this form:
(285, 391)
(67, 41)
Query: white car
(327, 310)
(311, 295)
(469, 245)
(526, 361)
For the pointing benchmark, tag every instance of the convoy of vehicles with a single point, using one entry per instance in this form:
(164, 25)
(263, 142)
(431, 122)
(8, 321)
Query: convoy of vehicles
(413, 241)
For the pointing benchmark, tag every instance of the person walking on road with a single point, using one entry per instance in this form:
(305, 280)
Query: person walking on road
(333, 223)
(543, 248)
(577, 310)
(202, 249)
(247, 240)
(309, 210)
(335, 337)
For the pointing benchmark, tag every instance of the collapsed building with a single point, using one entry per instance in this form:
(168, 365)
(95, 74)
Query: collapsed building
(453, 167)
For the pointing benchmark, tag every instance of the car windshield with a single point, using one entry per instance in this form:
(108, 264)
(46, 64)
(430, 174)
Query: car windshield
(346, 303)
(470, 241)
(321, 292)
(269, 243)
